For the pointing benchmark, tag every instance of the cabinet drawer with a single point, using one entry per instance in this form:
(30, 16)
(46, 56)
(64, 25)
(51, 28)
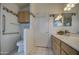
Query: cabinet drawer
(68, 49)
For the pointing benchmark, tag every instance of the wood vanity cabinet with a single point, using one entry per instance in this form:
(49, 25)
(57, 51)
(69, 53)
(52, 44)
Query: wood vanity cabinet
(63, 52)
(56, 45)
(61, 48)
(67, 49)
(23, 17)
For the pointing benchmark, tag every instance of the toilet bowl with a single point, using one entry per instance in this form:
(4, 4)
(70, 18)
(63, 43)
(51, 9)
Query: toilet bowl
(20, 46)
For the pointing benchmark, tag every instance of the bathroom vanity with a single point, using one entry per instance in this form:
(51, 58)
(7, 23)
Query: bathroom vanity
(65, 45)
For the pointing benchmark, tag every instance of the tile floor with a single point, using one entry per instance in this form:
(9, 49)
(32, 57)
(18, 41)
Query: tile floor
(16, 53)
(37, 51)
(42, 51)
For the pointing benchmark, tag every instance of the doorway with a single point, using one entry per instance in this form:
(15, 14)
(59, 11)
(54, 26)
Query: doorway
(42, 31)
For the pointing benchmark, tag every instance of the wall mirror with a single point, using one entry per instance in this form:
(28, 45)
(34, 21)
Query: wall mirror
(67, 17)
(64, 19)
(58, 20)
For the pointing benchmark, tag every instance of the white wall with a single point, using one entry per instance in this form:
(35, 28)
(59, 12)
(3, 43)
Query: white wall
(29, 39)
(8, 41)
(41, 9)
(10, 18)
(75, 20)
(73, 28)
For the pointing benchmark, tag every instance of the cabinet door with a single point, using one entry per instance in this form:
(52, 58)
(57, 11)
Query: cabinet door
(56, 47)
(63, 52)
(57, 41)
(68, 49)
(23, 17)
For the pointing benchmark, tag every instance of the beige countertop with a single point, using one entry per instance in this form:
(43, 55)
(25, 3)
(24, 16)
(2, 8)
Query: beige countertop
(72, 40)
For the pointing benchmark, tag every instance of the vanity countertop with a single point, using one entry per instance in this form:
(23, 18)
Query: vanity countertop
(72, 40)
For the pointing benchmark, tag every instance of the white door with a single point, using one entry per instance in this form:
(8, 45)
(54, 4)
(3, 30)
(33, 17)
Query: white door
(42, 31)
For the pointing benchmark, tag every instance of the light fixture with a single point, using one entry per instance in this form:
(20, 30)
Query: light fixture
(69, 6)
(72, 5)
(58, 17)
(69, 9)
(65, 9)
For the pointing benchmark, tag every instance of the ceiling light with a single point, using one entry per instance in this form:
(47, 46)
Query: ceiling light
(71, 5)
(69, 9)
(68, 5)
(65, 9)
(58, 17)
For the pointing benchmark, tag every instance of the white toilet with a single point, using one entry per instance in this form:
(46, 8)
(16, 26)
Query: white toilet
(20, 47)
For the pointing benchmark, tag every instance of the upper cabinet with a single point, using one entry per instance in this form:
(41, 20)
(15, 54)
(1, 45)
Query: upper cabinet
(23, 17)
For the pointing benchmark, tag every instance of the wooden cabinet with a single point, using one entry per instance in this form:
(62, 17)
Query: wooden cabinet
(23, 17)
(56, 49)
(69, 50)
(63, 52)
(61, 48)
(56, 46)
